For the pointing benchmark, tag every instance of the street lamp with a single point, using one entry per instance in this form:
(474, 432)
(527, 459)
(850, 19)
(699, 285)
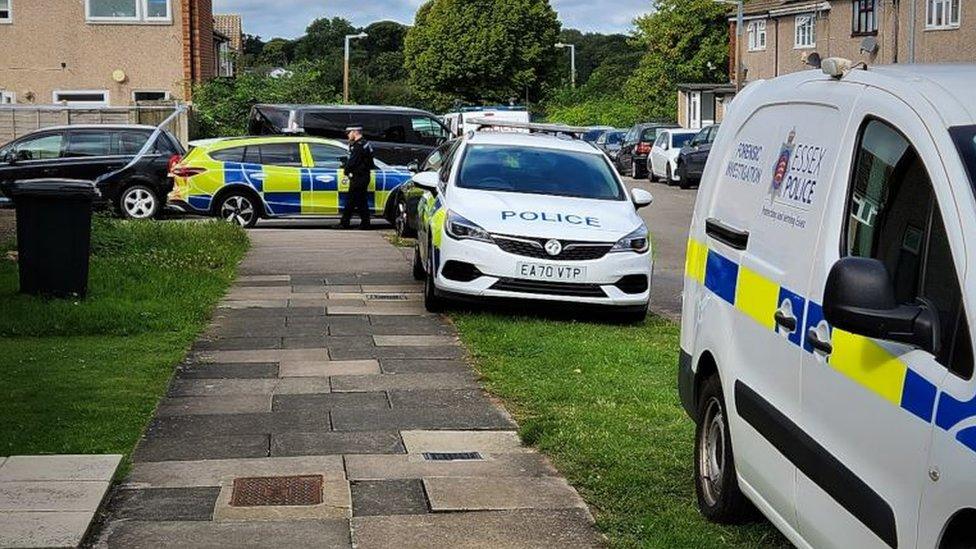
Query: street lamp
(738, 40)
(572, 61)
(345, 65)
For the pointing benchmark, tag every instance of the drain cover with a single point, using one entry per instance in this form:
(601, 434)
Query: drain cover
(261, 491)
(452, 456)
(386, 297)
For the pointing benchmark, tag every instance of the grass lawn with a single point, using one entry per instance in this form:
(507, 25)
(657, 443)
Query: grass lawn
(83, 376)
(601, 400)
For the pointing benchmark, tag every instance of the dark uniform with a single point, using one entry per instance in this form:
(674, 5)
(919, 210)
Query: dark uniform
(358, 169)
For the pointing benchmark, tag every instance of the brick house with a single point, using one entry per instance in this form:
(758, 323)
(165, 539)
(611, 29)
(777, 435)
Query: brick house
(228, 25)
(105, 52)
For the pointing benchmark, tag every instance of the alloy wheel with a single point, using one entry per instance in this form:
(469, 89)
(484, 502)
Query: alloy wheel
(237, 209)
(139, 203)
(401, 218)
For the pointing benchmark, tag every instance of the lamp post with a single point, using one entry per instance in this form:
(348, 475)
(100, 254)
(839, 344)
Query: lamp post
(572, 61)
(345, 65)
(739, 33)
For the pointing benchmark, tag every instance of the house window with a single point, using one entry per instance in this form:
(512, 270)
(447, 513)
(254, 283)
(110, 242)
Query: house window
(128, 10)
(7, 97)
(864, 17)
(82, 98)
(138, 96)
(757, 35)
(5, 16)
(805, 31)
(942, 14)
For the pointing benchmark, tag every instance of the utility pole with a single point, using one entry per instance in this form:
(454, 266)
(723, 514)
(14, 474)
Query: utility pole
(572, 61)
(739, 34)
(345, 66)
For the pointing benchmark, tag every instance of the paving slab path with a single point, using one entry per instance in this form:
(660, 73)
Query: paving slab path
(324, 407)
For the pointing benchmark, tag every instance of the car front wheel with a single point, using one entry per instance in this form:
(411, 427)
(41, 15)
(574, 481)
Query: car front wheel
(432, 302)
(138, 202)
(418, 265)
(401, 221)
(238, 208)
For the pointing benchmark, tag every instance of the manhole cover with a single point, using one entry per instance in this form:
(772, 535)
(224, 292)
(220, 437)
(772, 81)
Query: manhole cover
(260, 491)
(386, 297)
(452, 456)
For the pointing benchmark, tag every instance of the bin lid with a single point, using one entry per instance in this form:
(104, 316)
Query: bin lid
(59, 188)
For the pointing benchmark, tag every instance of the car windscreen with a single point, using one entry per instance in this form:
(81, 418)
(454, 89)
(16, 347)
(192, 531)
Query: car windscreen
(965, 139)
(614, 138)
(593, 135)
(681, 139)
(536, 170)
(649, 134)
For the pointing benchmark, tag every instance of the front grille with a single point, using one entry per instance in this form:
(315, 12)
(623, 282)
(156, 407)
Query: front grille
(573, 250)
(548, 288)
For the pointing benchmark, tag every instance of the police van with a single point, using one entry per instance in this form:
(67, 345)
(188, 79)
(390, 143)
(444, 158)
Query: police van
(826, 352)
(531, 216)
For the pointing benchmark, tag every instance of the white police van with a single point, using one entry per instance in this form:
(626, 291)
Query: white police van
(532, 216)
(826, 350)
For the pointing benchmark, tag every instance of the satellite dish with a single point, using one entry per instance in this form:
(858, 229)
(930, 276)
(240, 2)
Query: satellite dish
(813, 60)
(870, 45)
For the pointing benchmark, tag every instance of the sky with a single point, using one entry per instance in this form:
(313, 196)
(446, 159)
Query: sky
(288, 18)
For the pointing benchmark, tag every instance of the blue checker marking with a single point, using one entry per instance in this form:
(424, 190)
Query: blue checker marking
(967, 437)
(799, 306)
(284, 203)
(918, 396)
(952, 412)
(200, 202)
(320, 180)
(814, 317)
(721, 275)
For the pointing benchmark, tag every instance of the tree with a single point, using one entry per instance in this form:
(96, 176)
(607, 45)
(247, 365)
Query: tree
(278, 52)
(685, 41)
(481, 50)
(324, 39)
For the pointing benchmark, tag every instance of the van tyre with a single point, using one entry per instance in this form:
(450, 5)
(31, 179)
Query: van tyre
(418, 265)
(138, 202)
(719, 497)
(240, 208)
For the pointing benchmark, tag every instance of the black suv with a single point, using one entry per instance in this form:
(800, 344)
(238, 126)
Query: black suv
(399, 135)
(89, 152)
(636, 146)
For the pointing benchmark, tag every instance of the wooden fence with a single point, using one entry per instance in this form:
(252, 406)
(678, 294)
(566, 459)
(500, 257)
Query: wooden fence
(18, 120)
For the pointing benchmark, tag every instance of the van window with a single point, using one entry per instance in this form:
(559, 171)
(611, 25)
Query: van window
(326, 156)
(281, 154)
(233, 154)
(426, 131)
(894, 217)
(326, 124)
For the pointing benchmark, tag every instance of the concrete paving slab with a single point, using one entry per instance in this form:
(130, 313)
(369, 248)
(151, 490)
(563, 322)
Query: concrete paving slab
(333, 443)
(52, 495)
(254, 304)
(182, 448)
(60, 467)
(270, 355)
(413, 340)
(328, 342)
(392, 288)
(326, 368)
(221, 387)
(183, 504)
(307, 301)
(303, 386)
(325, 402)
(419, 418)
(258, 292)
(404, 382)
(216, 472)
(316, 289)
(368, 467)
(243, 279)
(487, 442)
(379, 308)
(237, 344)
(522, 529)
(484, 494)
(242, 370)
(309, 534)
(224, 404)
(314, 420)
(388, 297)
(44, 529)
(397, 352)
(336, 504)
(344, 288)
(388, 497)
(441, 398)
(423, 366)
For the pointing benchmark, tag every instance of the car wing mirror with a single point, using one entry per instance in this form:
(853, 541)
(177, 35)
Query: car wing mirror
(860, 298)
(413, 166)
(641, 198)
(427, 181)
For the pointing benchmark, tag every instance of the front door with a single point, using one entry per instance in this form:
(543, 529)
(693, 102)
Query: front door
(868, 404)
(694, 110)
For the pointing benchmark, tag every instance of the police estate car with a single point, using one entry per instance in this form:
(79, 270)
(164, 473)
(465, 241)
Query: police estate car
(244, 179)
(827, 349)
(532, 216)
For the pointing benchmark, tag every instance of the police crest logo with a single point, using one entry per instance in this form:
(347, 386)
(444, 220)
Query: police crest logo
(782, 165)
(554, 247)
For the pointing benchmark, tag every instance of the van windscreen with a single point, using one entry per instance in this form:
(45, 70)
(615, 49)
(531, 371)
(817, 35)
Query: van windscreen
(266, 120)
(965, 139)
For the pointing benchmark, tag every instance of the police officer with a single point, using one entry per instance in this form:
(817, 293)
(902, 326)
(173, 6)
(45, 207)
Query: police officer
(358, 169)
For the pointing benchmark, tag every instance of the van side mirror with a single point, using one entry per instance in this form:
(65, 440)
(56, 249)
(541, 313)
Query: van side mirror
(641, 198)
(427, 181)
(860, 298)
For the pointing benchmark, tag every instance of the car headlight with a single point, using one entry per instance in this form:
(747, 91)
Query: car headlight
(637, 241)
(459, 228)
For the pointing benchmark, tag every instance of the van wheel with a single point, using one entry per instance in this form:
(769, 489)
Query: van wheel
(418, 265)
(239, 208)
(719, 497)
(138, 202)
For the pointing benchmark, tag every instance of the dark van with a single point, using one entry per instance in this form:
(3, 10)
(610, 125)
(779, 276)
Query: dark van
(399, 135)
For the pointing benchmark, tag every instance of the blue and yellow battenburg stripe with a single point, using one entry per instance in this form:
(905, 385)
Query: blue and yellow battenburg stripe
(860, 359)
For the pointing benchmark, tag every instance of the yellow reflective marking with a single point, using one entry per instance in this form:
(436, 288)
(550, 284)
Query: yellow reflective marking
(320, 202)
(756, 296)
(380, 199)
(437, 226)
(695, 258)
(868, 364)
(282, 180)
(307, 161)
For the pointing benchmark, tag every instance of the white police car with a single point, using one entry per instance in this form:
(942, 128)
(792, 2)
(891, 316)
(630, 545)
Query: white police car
(827, 350)
(533, 217)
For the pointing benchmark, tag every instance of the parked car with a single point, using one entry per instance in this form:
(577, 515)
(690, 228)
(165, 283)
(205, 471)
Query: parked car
(827, 340)
(691, 159)
(661, 163)
(91, 151)
(460, 122)
(406, 197)
(610, 142)
(249, 178)
(399, 135)
(636, 146)
(594, 133)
